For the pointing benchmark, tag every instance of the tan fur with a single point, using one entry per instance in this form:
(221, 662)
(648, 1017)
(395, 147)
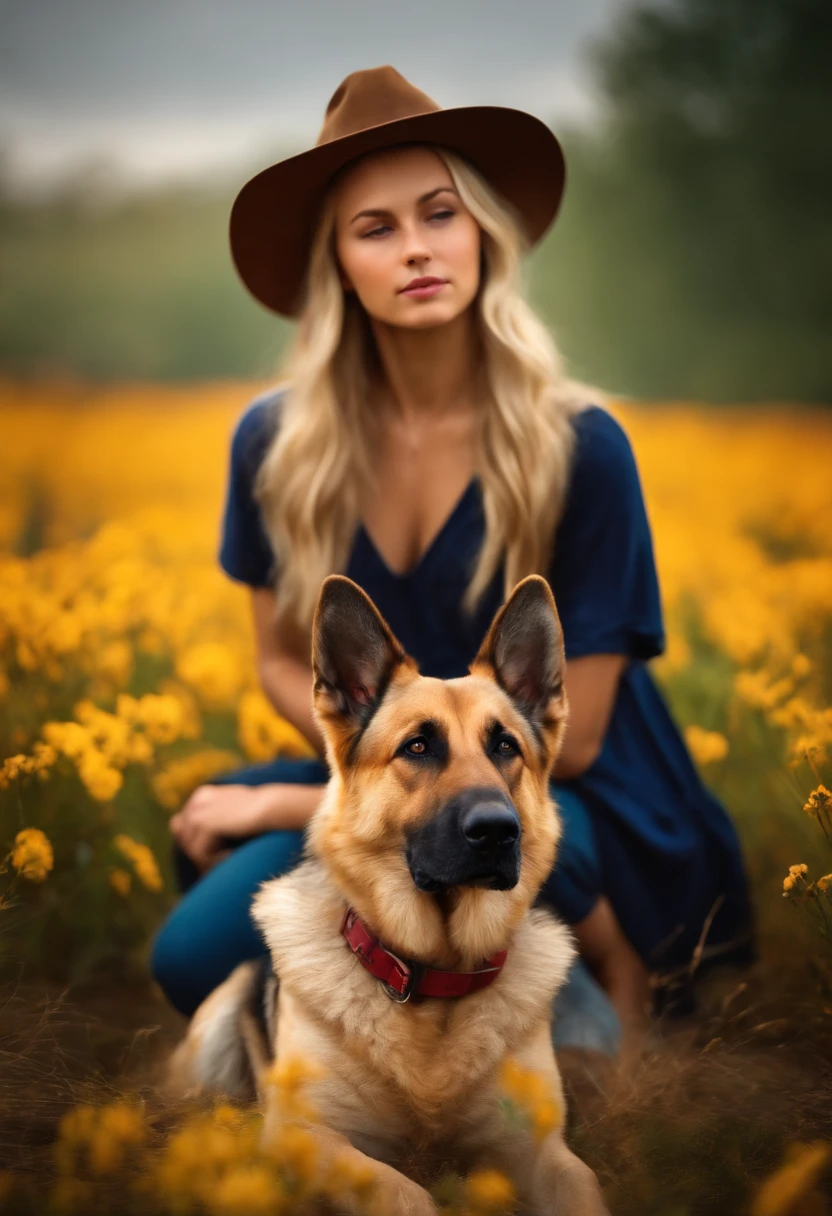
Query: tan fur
(412, 1089)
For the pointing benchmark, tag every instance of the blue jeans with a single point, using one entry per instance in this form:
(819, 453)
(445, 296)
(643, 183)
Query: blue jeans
(210, 931)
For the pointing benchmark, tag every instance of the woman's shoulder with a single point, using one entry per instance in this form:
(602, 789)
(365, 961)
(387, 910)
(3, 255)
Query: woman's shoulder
(600, 436)
(603, 453)
(256, 426)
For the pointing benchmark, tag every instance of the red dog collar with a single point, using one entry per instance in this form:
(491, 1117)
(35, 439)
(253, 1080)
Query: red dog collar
(403, 978)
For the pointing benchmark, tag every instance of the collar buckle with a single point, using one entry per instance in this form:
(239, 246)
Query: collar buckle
(412, 973)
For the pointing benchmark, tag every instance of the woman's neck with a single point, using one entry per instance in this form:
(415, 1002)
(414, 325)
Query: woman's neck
(431, 372)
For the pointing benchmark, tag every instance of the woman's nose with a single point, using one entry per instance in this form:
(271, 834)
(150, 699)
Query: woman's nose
(415, 247)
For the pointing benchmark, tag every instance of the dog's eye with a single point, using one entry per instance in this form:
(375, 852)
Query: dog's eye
(417, 746)
(507, 746)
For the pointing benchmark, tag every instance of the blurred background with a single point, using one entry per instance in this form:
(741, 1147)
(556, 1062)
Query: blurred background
(692, 257)
(689, 273)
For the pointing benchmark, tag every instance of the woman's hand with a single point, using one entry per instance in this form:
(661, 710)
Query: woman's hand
(214, 812)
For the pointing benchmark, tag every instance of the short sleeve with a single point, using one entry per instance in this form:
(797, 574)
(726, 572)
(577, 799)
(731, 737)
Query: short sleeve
(603, 572)
(245, 552)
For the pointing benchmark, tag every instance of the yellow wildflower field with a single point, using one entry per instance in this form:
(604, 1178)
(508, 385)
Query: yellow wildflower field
(126, 655)
(127, 679)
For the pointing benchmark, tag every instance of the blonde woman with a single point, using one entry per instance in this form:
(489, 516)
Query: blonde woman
(427, 443)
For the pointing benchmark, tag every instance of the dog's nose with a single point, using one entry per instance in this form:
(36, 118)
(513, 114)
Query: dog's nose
(490, 826)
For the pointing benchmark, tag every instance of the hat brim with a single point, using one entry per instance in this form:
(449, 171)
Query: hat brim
(273, 217)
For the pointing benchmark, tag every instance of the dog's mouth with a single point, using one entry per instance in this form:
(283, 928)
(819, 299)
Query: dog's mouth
(501, 878)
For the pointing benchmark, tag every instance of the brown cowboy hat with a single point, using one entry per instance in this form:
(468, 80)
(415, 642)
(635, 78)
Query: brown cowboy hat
(273, 216)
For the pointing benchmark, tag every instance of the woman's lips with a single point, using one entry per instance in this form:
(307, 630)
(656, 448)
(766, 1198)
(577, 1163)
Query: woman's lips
(422, 293)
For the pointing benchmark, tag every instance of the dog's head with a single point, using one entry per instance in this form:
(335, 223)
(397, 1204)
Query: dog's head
(437, 825)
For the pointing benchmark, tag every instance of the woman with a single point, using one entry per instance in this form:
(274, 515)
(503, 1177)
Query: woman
(428, 444)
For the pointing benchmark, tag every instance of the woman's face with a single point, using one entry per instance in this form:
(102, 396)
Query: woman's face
(398, 219)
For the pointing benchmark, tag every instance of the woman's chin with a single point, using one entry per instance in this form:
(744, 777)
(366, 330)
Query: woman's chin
(425, 314)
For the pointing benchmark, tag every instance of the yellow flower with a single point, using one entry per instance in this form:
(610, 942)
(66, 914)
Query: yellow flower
(144, 863)
(247, 1189)
(39, 762)
(105, 1132)
(119, 1126)
(191, 721)
(76, 1125)
(489, 1191)
(161, 717)
(295, 1150)
(795, 873)
(546, 1117)
(758, 690)
(825, 883)
(109, 734)
(225, 1115)
(74, 1131)
(706, 746)
(533, 1092)
(289, 1076)
(32, 855)
(213, 671)
(263, 734)
(70, 738)
(810, 745)
(100, 779)
(199, 1154)
(115, 661)
(801, 666)
(179, 778)
(819, 801)
(793, 1181)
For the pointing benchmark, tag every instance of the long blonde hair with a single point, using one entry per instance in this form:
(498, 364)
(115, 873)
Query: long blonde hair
(308, 483)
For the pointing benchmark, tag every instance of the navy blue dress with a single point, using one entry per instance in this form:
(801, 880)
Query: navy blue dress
(658, 844)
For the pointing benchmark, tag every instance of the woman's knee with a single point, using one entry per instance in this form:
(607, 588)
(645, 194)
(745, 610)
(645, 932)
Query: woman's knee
(172, 960)
(210, 930)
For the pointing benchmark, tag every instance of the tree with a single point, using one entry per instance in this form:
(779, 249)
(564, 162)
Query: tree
(703, 236)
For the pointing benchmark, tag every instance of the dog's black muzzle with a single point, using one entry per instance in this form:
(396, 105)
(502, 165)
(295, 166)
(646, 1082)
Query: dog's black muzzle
(474, 841)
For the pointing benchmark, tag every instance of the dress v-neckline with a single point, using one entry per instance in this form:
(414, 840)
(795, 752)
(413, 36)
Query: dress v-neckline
(437, 537)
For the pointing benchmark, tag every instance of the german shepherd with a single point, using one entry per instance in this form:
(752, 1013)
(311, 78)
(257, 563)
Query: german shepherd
(434, 834)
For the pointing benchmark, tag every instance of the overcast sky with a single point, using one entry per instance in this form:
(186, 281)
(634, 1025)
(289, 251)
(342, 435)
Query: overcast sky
(166, 87)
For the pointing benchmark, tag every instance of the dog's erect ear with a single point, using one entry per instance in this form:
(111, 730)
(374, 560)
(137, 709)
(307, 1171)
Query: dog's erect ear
(354, 652)
(524, 649)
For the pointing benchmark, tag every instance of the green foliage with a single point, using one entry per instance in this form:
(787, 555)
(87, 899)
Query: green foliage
(693, 256)
(143, 288)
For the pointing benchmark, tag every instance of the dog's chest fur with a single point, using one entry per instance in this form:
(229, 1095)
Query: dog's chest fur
(419, 1073)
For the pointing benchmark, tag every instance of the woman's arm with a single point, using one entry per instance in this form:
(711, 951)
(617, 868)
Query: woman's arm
(591, 684)
(285, 676)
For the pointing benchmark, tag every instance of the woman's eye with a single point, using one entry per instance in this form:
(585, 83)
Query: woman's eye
(376, 231)
(441, 215)
(417, 747)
